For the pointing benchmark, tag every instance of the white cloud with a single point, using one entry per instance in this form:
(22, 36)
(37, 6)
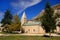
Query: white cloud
(23, 4)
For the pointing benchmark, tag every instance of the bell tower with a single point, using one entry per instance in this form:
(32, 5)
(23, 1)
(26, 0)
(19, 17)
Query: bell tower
(23, 19)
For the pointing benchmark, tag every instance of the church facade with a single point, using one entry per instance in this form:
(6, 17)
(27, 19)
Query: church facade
(31, 26)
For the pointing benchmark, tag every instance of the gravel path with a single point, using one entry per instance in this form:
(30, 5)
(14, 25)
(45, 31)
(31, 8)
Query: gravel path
(28, 34)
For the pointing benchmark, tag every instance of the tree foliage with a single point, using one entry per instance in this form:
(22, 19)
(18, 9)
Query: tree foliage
(7, 18)
(11, 23)
(48, 21)
(15, 25)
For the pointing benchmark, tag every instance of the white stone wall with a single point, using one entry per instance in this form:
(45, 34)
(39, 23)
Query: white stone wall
(33, 29)
(58, 29)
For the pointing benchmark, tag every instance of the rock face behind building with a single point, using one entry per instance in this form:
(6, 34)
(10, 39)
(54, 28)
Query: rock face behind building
(55, 8)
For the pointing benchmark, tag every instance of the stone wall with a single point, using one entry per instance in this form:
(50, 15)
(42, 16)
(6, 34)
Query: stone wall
(33, 29)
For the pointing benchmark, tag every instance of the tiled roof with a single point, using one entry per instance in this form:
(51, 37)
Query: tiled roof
(32, 23)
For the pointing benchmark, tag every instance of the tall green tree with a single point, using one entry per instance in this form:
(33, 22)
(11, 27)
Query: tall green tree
(48, 21)
(7, 18)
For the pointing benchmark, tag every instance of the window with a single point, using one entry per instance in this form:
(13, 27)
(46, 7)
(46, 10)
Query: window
(34, 30)
(0, 28)
(28, 29)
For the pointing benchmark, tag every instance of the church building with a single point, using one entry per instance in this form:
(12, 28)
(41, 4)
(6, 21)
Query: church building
(31, 26)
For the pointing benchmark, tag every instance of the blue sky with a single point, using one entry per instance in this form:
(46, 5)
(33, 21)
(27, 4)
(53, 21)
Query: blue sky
(31, 7)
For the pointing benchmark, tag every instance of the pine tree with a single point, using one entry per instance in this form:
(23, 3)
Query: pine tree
(48, 21)
(7, 18)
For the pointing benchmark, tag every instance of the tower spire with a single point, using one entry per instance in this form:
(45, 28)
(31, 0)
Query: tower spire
(23, 19)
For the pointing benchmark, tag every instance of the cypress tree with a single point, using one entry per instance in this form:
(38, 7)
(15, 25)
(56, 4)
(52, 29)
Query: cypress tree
(48, 21)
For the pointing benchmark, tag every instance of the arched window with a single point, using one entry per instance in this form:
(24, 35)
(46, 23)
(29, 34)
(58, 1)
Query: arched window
(34, 30)
(28, 29)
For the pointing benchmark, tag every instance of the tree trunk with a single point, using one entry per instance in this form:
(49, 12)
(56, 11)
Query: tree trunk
(50, 33)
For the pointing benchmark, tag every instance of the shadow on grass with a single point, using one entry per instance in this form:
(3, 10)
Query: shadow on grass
(47, 36)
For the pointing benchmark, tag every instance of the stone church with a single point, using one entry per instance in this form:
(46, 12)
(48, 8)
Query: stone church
(31, 26)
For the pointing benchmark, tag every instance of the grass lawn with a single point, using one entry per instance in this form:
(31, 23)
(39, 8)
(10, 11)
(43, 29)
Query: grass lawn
(27, 38)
